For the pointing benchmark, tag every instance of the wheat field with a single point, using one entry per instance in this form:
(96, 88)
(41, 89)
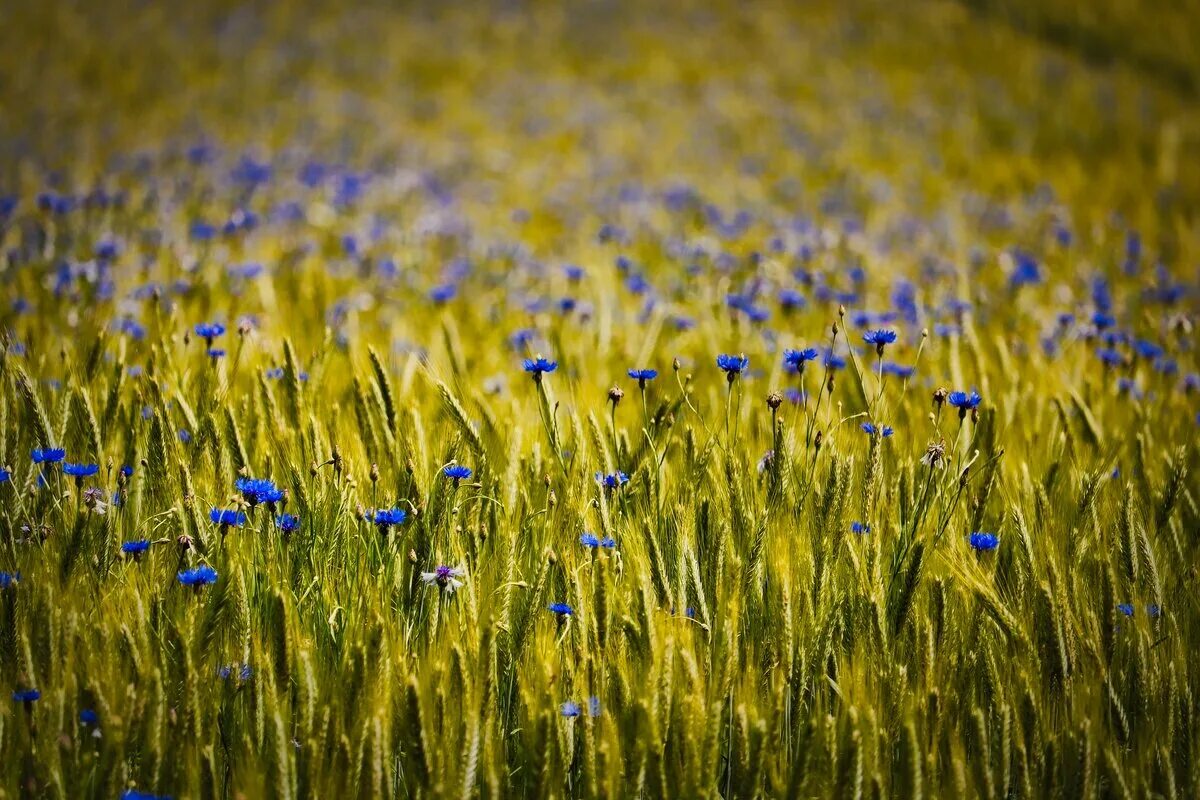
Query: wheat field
(612, 400)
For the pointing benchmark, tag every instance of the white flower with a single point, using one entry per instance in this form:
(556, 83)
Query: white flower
(445, 577)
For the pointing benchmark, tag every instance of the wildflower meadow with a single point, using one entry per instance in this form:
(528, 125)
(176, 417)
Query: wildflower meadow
(600, 399)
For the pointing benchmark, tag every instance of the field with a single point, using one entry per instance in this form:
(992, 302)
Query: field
(602, 400)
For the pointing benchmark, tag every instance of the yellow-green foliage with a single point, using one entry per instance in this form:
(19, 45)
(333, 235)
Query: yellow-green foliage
(790, 606)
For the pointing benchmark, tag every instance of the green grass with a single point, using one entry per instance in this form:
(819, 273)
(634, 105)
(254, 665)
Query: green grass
(740, 639)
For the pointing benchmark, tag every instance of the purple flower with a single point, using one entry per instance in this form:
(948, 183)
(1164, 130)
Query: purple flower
(445, 577)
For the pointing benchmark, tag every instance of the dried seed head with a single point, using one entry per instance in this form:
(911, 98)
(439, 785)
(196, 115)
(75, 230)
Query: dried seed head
(184, 542)
(374, 473)
(615, 395)
(817, 440)
(774, 400)
(939, 396)
(675, 365)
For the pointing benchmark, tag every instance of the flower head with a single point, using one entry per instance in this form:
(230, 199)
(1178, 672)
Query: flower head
(880, 338)
(26, 696)
(1125, 608)
(984, 541)
(860, 527)
(227, 517)
(796, 359)
(642, 376)
(136, 547)
(385, 518)
(456, 472)
(964, 400)
(445, 577)
(287, 522)
(8, 579)
(592, 541)
(80, 470)
(209, 331)
(561, 609)
(198, 577)
(613, 480)
(47, 455)
(733, 365)
(258, 490)
(537, 366)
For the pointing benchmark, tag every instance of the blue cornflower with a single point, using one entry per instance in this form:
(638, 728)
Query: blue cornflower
(833, 362)
(539, 365)
(134, 794)
(244, 672)
(135, 548)
(899, 370)
(643, 375)
(227, 517)
(26, 696)
(1154, 610)
(1125, 608)
(871, 430)
(456, 472)
(4, 475)
(258, 490)
(561, 609)
(47, 455)
(796, 359)
(443, 293)
(387, 517)
(732, 365)
(593, 541)
(127, 471)
(594, 706)
(1110, 358)
(184, 435)
(571, 709)
(984, 541)
(964, 402)
(215, 352)
(790, 299)
(879, 338)
(209, 331)
(612, 481)
(88, 717)
(198, 577)
(80, 470)
(287, 522)
(7, 579)
(860, 527)
(1147, 349)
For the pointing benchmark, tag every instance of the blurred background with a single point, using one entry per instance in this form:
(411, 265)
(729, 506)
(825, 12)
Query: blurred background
(1000, 95)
